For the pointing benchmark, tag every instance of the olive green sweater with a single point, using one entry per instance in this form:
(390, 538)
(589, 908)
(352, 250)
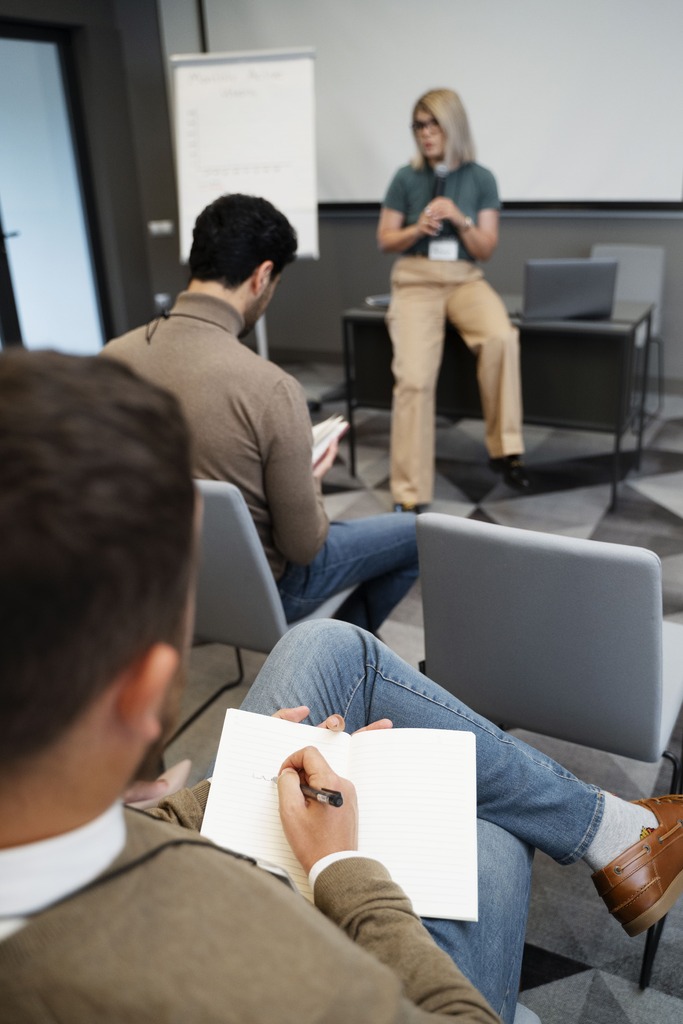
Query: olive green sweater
(178, 931)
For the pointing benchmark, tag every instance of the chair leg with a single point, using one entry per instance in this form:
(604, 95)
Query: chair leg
(646, 415)
(654, 934)
(657, 344)
(231, 684)
(652, 414)
(677, 770)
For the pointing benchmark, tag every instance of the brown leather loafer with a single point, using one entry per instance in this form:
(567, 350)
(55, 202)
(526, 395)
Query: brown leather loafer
(644, 882)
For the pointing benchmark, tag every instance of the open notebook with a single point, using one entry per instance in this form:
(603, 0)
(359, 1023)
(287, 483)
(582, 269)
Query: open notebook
(416, 796)
(324, 433)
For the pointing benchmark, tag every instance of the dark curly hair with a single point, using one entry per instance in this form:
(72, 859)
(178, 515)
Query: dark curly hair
(96, 519)
(235, 234)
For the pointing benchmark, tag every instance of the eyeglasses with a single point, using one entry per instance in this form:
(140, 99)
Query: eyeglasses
(421, 126)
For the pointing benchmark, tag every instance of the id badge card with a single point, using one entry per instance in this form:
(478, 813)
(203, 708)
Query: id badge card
(443, 249)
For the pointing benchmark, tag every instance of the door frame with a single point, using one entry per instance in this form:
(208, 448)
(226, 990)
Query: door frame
(63, 40)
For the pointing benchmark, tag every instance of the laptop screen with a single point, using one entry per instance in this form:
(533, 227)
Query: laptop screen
(569, 289)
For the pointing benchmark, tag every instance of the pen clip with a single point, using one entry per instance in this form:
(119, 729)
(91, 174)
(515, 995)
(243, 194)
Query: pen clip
(331, 796)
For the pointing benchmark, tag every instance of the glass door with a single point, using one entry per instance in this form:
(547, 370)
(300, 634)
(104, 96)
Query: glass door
(46, 266)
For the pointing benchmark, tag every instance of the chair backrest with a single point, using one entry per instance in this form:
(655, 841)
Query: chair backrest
(640, 275)
(558, 635)
(523, 1015)
(237, 599)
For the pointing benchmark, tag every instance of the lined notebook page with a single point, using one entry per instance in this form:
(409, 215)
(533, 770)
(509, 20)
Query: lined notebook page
(417, 799)
(242, 810)
(416, 795)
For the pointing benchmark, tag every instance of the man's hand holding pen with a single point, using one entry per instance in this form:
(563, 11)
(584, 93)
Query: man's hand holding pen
(313, 829)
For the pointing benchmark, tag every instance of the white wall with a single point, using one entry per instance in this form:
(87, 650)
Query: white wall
(567, 101)
(305, 314)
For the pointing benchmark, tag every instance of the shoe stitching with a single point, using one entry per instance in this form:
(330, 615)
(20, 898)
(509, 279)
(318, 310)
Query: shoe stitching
(647, 848)
(655, 881)
(627, 902)
(619, 869)
(623, 911)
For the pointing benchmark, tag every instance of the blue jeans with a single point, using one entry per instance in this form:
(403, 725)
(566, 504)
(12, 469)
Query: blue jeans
(525, 800)
(377, 555)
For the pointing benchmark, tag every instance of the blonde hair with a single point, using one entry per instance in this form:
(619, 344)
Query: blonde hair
(445, 106)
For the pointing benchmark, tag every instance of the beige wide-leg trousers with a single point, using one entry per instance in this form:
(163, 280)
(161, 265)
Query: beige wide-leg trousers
(423, 294)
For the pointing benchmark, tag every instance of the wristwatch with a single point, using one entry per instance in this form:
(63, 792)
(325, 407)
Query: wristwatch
(466, 225)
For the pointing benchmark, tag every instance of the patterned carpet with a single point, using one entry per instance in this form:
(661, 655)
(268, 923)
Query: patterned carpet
(579, 966)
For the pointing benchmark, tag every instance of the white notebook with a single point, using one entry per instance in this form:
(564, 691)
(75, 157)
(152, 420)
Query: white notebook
(324, 433)
(416, 797)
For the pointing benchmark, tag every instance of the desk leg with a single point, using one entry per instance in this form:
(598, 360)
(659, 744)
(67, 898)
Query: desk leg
(351, 437)
(616, 462)
(349, 379)
(643, 388)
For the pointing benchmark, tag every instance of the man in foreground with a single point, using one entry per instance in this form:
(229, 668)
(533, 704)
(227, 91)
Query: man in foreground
(107, 914)
(250, 422)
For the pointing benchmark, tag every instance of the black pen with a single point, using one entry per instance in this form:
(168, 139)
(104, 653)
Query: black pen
(324, 796)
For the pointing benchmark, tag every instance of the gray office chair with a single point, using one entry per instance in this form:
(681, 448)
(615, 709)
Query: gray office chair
(523, 1015)
(237, 600)
(640, 278)
(542, 632)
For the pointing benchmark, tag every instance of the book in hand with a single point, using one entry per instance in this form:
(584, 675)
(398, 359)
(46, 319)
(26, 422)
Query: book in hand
(416, 798)
(324, 434)
(378, 301)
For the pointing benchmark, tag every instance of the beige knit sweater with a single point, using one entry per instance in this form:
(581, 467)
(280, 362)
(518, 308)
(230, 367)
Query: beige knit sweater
(179, 931)
(249, 419)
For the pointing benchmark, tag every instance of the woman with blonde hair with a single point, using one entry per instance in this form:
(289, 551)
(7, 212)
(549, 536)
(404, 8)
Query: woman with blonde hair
(441, 214)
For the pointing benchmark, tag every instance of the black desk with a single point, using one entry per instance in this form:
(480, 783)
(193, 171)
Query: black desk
(581, 374)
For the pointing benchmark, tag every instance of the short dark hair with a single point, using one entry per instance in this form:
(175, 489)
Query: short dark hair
(235, 234)
(96, 521)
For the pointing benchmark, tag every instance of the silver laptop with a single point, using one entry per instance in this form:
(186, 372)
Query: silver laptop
(569, 289)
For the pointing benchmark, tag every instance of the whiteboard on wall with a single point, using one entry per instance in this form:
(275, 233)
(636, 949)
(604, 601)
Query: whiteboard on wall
(569, 102)
(245, 122)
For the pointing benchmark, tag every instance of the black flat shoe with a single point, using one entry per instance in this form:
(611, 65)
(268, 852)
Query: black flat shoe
(513, 470)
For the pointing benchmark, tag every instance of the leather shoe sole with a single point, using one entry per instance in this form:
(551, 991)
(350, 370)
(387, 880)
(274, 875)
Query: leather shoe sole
(641, 885)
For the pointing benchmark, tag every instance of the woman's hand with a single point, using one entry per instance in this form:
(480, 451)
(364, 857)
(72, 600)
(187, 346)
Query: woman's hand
(480, 238)
(429, 222)
(394, 236)
(442, 208)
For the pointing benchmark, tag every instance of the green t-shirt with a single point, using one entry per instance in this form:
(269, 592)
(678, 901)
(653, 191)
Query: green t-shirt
(471, 187)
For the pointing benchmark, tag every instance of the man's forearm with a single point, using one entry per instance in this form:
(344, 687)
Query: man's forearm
(360, 897)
